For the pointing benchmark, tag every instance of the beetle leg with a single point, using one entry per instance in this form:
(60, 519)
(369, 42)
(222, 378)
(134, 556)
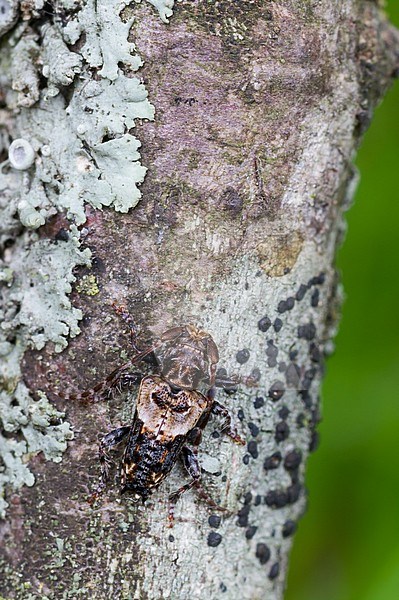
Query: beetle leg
(230, 383)
(123, 312)
(221, 411)
(111, 382)
(108, 442)
(227, 383)
(192, 465)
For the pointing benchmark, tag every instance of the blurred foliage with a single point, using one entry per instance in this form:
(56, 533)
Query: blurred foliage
(347, 545)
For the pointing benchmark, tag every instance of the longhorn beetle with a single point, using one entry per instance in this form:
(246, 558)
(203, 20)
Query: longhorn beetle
(170, 413)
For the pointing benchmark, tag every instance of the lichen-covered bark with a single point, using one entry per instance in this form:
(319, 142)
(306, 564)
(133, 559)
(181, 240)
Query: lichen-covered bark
(248, 115)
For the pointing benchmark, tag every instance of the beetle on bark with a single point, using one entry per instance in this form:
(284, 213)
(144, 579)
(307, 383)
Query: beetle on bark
(171, 411)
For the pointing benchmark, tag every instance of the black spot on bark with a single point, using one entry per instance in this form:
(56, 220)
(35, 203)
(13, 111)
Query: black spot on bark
(259, 402)
(277, 498)
(293, 460)
(250, 532)
(264, 324)
(253, 449)
(314, 300)
(243, 514)
(214, 539)
(282, 431)
(262, 553)
(242, 356)
(301, 292)
(283, 413)
(254, 429)
(307, 332)
(273, 461)
(214, 521)
(274, 571)
(289, 528)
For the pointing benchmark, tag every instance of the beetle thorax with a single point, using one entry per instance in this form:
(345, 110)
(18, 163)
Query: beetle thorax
(186, 362)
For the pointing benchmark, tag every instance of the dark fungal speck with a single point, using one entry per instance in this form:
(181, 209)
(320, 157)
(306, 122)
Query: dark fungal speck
(242, 356)
(259, 402)
(240, 414)
(98, 265)
(274, 571)
(293, 492)
(277, 325)
(224, 478)
(264, 324)
(317, 280)
(293, 354)
(301, 420)
(171, 538)
(258, 500)
(306, 398)
(282, 307)
(314, 300)
(245, 459)
(315, 417)
(307, 332)
(301, 292)
(254, 429)
(243, 514)
(214, 521)
(283, 413)
(315, 353)
(214, 539)
(292, 374)
(282, 367)
(293, 460)
(253, 449)
(215, 434)
(250, 532)
(277, 498)
(289, 528)
(273, 461)
(314, 441)
(248, 498)
(62, 235)
(262, 553)
(282, 431)
(222, 587)
(276, 391)
(289, 303)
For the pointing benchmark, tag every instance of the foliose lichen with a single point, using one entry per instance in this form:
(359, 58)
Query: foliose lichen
(67, 78)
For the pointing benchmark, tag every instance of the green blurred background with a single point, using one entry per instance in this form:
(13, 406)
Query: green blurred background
(347, 545)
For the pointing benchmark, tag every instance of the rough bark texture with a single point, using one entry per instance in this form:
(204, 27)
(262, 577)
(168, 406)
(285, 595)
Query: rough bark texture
(259, 107)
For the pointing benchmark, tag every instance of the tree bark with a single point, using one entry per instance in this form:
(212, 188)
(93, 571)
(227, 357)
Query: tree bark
(248, 115)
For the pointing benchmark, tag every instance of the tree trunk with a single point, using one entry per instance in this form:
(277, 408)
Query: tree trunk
(248, 115)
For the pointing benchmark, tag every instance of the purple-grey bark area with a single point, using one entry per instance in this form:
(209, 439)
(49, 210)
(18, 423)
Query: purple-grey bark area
(259, 108)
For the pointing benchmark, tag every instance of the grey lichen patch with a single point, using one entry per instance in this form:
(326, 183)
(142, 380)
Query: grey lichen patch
(8, 15)
(69, 84)
(86, 152)
(279, 253)
(36, 280)
(41, 284)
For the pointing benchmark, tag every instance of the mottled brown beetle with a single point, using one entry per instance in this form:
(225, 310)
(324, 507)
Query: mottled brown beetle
(171, 411)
